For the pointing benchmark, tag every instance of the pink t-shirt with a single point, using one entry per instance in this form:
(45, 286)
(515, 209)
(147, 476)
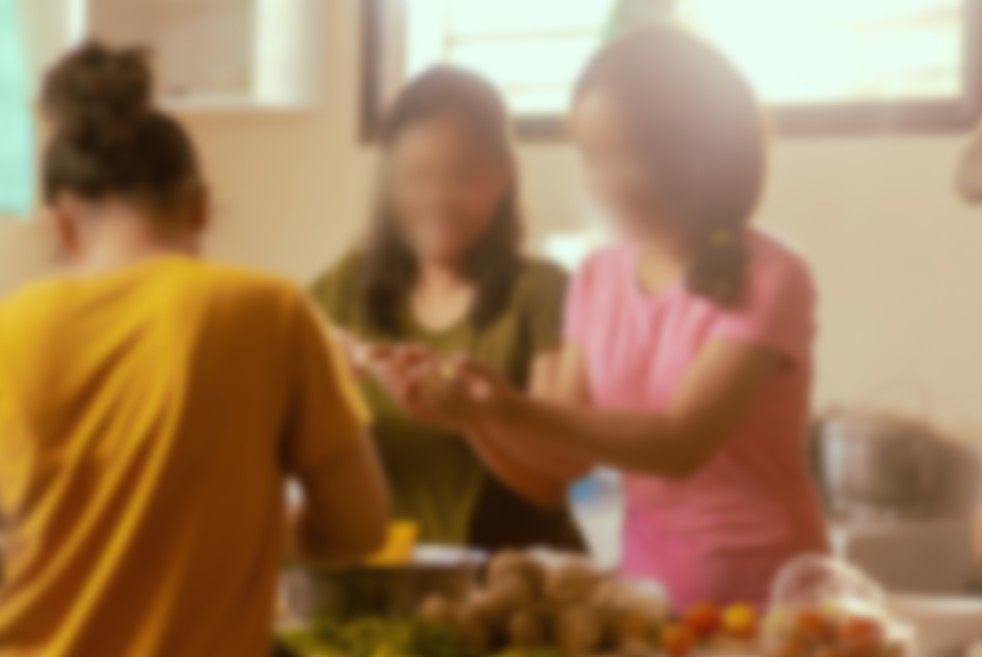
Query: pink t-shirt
(721, 534)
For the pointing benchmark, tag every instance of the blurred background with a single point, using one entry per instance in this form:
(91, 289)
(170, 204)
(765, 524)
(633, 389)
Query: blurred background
(874, 103)
(278, 95)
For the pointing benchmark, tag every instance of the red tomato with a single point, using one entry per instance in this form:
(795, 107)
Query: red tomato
(814, 627)
(703, 619)
(861, 636)
(678, 640)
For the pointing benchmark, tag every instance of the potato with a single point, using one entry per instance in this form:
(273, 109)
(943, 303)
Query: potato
(480, 619)
(506, 562)
(634, 647)
(580, 629)
(630, 627)
(572, 583)
(513, 562)
(528, 628)
(608, 593)
(618, 598)
(436, 608)
(481, 604)
(475, 630)
(512, 591)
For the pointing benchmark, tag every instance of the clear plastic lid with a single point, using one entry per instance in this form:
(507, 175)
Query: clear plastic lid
(821, 604)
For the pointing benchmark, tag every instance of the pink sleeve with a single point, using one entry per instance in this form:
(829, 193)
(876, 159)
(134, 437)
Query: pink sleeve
(577, 304)
(777, 312)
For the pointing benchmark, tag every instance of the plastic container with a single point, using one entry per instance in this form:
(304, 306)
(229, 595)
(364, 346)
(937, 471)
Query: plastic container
(821, 605)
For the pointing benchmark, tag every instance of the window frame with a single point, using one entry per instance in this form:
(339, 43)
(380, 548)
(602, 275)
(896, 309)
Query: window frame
(851, 118)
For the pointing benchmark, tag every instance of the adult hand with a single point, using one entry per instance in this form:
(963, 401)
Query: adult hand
(457, 393)
(401, 371)
(361, 356)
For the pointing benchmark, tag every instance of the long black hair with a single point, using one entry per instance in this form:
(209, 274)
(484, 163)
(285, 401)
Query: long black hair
(108, 138)
(493, 261)
(701, 131)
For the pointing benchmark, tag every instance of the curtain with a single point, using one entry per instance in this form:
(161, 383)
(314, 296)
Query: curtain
(16, 130)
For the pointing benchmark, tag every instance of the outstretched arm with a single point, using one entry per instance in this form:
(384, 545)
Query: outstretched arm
(537, 470)
(718, 392)
(540, 469)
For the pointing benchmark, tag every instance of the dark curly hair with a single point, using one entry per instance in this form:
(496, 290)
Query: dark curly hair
(699, 127)
(492, 263)
(108, 138)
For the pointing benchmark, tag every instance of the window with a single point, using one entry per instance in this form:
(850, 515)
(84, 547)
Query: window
(830, 65)
(16, 136)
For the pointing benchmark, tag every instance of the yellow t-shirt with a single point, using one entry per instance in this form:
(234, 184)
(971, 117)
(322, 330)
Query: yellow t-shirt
(148, 417)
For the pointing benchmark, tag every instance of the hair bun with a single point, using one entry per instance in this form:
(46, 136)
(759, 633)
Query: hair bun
(96, 82)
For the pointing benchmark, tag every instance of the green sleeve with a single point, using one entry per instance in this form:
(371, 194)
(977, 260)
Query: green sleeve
(335, 292)
(543, 291)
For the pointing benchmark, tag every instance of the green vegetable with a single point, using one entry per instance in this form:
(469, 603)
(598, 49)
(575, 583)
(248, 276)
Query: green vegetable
(531, 652)
(376, 637)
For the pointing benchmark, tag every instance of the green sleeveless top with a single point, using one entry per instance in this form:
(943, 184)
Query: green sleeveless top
(436, 479)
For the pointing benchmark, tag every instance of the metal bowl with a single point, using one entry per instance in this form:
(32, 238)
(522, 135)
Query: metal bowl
(308, 595)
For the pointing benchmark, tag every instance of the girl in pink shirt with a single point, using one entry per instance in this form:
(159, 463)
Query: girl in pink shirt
(688, 356)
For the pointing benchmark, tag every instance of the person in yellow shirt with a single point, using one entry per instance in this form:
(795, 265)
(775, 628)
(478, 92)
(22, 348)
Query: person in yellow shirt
(152, 405)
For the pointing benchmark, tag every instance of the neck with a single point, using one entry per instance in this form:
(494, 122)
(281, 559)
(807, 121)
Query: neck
(662, 260)
(438, 274)
(122, 237)
(669, 249)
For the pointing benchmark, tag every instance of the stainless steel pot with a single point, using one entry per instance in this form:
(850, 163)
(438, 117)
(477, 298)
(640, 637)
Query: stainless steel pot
(879, 465)
(393, 591)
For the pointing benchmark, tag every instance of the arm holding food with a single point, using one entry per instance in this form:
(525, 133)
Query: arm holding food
(540, 472)
(542, 295)
(748, 347)
(719, 391)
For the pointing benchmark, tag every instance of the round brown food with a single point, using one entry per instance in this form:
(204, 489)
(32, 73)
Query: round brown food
(436, 608)
(475, 631)
(512, 591)
(528, 628)
(572, 582)
(579, 629)
(515, 563)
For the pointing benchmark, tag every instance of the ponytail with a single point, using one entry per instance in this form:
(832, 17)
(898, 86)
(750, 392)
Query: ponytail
(718, 270)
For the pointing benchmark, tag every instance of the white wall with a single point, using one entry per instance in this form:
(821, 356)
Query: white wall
(895, 254)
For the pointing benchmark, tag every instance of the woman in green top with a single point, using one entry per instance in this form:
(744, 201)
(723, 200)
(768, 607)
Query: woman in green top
(443, 269)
